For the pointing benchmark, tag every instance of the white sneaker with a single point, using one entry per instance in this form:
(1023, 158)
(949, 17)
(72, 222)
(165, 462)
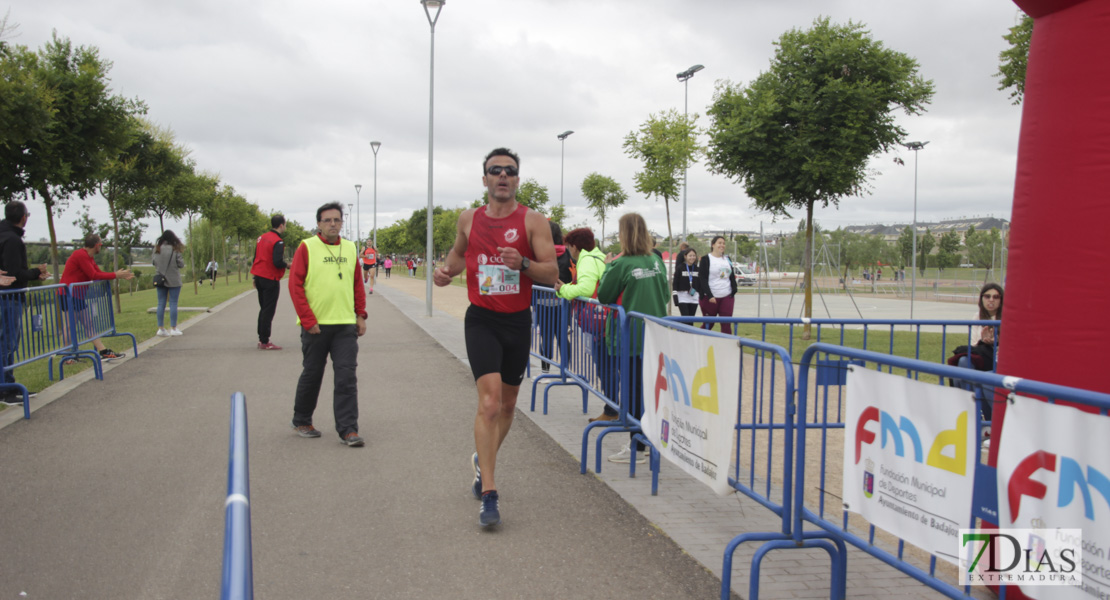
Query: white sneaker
(162, 333)
(176, 331)
(625, 456)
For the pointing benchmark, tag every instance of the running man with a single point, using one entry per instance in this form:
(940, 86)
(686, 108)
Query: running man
(369, 266)
(504, 246)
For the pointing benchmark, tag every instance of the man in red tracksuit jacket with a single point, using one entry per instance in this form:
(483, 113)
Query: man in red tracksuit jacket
(81, 267)
(268, 269)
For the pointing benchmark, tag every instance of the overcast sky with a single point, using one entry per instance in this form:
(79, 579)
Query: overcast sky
(282, 98)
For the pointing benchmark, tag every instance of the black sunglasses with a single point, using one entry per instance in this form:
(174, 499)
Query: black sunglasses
(497, 169)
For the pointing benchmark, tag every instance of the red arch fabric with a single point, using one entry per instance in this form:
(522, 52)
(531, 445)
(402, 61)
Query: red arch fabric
(1058, 287)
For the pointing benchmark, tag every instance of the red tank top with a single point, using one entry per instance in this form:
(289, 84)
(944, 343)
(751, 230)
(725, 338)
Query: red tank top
(491, 284)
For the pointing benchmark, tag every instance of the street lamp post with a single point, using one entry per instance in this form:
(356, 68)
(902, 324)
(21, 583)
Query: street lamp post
(350, 209)
(562, 160)
(358, 205)
(915, 146)
(684, 77)
(438, 6)
(375, 146)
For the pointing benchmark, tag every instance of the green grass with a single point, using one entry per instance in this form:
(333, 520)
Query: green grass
(134, 319)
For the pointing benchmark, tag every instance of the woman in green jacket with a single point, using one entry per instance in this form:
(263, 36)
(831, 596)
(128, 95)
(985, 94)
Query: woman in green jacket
(637, 280)
(590, 266)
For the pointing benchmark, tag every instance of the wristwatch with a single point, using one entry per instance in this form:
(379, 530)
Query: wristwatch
(525, 263)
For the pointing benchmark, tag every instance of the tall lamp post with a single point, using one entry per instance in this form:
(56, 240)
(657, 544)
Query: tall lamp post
(358, 205)
(562, 160)
(684, 78)
(375, 146)
(915, 146)
(350, 210)
(438, 6)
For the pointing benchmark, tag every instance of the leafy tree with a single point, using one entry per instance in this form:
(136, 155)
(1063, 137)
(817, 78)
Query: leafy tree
(803, 131)
(416, 229)
(146, 163)
(949, 254)
(982, 247)
(744, 246)
(905, 244)
(26, 111)
(1013, 61)
(602, 194)
(925, 245)
(666, 143)
(87, 129)
(393, 239)
(533, 195)
(558, 216)
(444, 228)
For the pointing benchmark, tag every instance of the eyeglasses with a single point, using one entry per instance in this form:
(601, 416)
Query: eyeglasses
(497, 169)
(331, 221)
(991, 297)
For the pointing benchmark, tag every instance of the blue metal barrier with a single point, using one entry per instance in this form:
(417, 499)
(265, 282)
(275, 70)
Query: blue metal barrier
(237, 582)
(91, 315)
(31, 328)
(836, 526)
(550, 319)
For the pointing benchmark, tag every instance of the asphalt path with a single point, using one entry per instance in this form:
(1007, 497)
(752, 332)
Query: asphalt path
(116, 489)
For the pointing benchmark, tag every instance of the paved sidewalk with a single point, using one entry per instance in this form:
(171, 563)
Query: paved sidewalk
(115, 488)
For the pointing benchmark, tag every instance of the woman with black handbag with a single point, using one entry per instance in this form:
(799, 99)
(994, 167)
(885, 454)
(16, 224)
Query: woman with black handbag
(168, 263)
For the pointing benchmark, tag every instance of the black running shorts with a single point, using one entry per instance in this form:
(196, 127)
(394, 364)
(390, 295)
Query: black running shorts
(498, 343)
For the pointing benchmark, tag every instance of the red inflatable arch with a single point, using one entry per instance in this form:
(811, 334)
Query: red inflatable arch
(1058, 287)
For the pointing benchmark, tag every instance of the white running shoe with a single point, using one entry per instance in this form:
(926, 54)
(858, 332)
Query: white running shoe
(175, 331)
(625, 456)
(162, 333)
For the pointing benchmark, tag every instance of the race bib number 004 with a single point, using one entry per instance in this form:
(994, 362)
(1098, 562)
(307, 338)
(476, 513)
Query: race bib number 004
(494, 280)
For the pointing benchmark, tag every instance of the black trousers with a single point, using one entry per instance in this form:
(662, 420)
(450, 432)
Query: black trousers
(268, 293)
(341, 342)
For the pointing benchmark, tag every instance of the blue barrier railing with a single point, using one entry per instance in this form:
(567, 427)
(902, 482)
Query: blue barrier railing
(237, 582)
(550, 343)
(32, 328)
(91, 315)
(835, 526)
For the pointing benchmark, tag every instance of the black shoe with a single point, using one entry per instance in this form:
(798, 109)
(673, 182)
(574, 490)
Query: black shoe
(107, 354)
(490, 515)
(545, 367)
(352, 439)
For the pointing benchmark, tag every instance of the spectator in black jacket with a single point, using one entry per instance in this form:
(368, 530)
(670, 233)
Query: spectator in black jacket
(13, 261)
(685, 282)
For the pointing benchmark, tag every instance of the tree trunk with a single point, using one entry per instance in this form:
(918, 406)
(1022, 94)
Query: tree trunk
(670, 252)
(192, 256)
(110, 196)
(49, 202)
(807, 261)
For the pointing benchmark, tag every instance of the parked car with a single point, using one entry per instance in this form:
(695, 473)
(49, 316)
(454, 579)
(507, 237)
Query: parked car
(744, 275)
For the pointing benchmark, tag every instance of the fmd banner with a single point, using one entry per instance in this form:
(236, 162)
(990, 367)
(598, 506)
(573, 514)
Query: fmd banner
(691, 383)
(1054, 474)
(909, 454)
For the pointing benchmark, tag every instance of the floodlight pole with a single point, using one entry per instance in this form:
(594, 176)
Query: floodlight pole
(438, 5)
(375, 146)
(562, 160)
(915, 146)
(684, 77)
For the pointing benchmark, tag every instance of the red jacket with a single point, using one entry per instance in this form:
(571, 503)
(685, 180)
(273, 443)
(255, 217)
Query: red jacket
(80, 267)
